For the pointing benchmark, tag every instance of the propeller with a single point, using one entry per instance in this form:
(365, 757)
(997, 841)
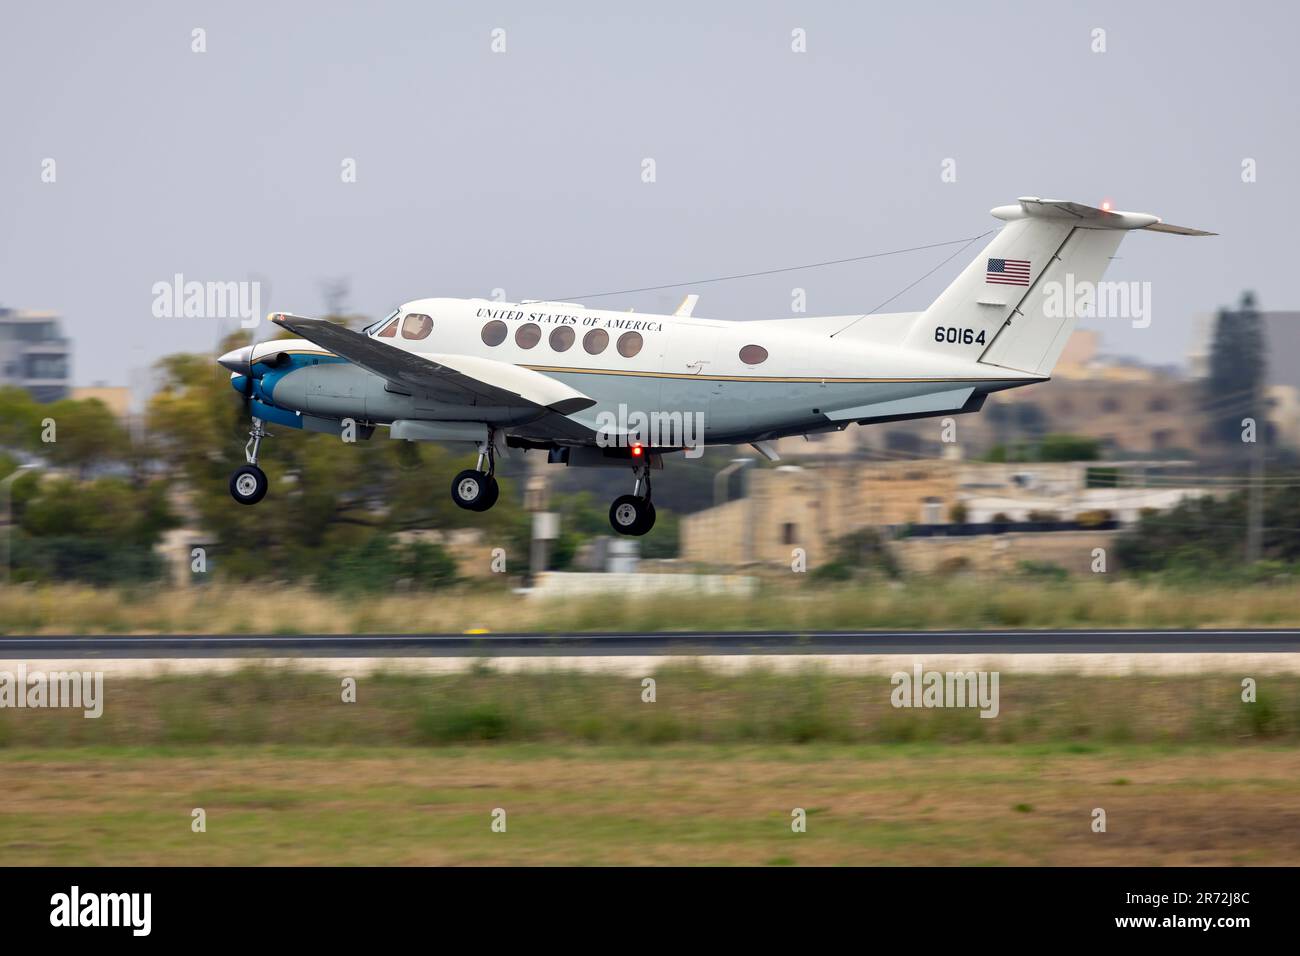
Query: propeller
(239, 360)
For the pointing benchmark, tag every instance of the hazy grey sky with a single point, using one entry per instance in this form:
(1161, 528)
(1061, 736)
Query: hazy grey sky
(522, 170)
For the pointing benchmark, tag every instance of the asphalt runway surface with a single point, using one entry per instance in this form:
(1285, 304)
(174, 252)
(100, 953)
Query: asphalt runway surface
(183, 646)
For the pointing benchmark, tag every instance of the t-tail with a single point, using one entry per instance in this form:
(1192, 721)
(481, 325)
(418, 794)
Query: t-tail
(1013, 307)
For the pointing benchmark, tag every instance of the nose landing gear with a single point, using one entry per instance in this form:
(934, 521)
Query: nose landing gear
(475, 489)
(248, 484)
(634, 514)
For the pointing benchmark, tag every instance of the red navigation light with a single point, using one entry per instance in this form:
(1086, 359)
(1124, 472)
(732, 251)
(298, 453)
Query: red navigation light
(1105, 205)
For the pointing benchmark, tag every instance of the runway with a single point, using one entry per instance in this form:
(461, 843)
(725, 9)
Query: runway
(604, 645)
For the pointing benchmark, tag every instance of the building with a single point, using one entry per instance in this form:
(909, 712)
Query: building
(1131, 409)
(116, 398)
(34, 354)
(809, 508)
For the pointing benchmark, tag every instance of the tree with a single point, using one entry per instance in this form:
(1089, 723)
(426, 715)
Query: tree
(1234, 387)
(1203, 535)
(329, 500)
(1055, 447)
(102, 531)
(19, 420)
(86, 434)
(1069, 448)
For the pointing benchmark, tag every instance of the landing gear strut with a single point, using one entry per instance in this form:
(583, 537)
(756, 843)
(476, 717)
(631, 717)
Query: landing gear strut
(475, 489)
(248, 484)
(634, 514)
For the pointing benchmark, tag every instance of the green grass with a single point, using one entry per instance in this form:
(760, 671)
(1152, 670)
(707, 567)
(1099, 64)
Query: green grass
(262, 705)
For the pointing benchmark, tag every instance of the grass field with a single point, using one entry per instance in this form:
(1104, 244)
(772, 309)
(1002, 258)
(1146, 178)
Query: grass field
(265, 705)
(709, 773)
(917, 602)
(680, 804)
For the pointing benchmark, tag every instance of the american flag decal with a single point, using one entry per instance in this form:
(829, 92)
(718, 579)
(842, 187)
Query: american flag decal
(1008, 272)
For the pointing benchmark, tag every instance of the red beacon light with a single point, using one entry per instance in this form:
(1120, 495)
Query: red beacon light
(637, 450)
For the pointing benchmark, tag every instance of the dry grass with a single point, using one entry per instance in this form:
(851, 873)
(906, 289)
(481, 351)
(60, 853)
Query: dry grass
(918, 603)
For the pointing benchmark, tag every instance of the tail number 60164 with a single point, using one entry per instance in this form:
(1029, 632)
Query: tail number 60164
(959, 336)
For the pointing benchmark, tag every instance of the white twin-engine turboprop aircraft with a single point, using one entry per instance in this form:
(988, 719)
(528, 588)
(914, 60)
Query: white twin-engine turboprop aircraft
(560, 377)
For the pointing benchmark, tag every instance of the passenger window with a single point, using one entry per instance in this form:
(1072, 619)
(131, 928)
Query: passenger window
(629, 343)
(416, 326)
(528, 335)
(595, 341)
(494, 333)
(562, 339)
(753, 355)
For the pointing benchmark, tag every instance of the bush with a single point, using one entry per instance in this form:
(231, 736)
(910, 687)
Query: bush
(382, 562)
(1094, 519)
(1043, 569)
(98, 560)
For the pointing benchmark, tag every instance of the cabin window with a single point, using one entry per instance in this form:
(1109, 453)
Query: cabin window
(753, 355)
(528, 335)
(629, 343)
(595, 341)
(562, 338)
(416, 326)
(494, 333)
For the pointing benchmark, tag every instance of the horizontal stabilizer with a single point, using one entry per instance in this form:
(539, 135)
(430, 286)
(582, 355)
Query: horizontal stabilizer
(1089, 217)
(1178, 230)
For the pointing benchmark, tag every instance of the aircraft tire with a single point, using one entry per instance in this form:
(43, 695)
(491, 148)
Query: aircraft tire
(631, 515)
(248, 485)
(491, 492)
(470, 489)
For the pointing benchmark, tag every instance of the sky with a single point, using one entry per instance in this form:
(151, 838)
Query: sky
(523, 169)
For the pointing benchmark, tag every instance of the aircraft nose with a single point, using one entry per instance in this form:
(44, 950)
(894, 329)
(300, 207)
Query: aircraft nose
(237, 360)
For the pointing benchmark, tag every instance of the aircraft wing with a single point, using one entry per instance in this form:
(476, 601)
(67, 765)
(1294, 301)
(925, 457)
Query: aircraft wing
(466, 378)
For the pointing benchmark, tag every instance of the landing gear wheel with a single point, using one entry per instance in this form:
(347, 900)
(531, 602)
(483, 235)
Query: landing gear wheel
(490, 495)
(474, 490)
(631, 515)
(248, 485)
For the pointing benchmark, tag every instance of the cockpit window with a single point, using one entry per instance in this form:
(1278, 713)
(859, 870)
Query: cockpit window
(416, 326)
(374, 327)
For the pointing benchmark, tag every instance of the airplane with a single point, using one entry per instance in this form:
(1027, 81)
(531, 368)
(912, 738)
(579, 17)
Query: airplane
(596, 387)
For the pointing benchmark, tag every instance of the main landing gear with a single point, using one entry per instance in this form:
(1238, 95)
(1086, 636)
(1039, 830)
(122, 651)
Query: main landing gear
(248, 484)
(634, 514)
(475, 489)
